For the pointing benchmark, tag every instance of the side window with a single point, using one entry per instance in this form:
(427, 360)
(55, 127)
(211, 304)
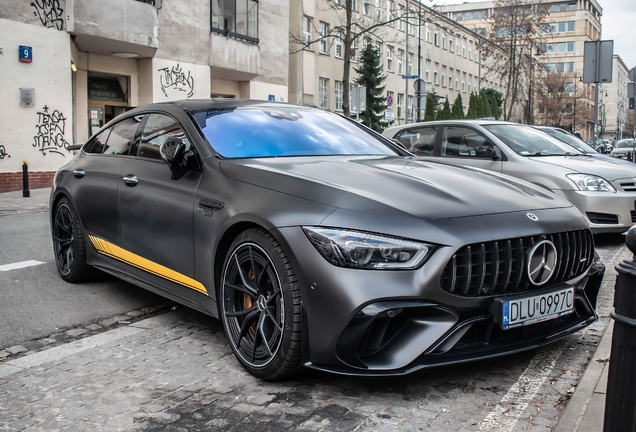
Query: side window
(98, 143)
(122, 136)
(159, 129)
(464, 142)
(419, 141)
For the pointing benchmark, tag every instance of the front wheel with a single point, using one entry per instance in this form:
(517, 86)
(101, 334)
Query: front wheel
(261, 307)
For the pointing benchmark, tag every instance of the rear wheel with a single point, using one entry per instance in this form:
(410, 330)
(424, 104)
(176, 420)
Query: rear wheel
(68, 244)
(260, 306)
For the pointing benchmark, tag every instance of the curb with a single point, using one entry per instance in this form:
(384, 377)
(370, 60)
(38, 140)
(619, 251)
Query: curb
(586, 408)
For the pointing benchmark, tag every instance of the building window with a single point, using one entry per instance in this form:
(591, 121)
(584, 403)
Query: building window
(570, 26)
(323, 31)
(470, 80)
(464, 48)
(409, 64)
(354, 5)
(435, 68)
(390, 17)
(427, 32)
(378, 10)
(464, 81)
(457, 80)
(470, 50)
(443, 40)
(352, 104)
(569, 67)
(306, 31)
(354, 52)
(338, 44)
(450, 44)
(443, 76)
(427, 71)
(409, 108)
(338, 95)
(400, 10)
(457, 46)
(400, 56)
(409, 23)
(570, 47)
(459, 17)
(561, 26)
(323, 92)
(366, 7)
(436, 37)
(561, 47)
(389, 58)
(450, 78)
(238, 18)
(400, 103)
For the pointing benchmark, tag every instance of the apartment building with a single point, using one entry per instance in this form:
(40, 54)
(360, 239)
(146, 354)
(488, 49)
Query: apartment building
(70, 66)
(614, 103)
(413, 39)
(568, 24)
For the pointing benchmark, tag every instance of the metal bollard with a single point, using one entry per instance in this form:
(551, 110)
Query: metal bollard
(26, 193)
(620, 400)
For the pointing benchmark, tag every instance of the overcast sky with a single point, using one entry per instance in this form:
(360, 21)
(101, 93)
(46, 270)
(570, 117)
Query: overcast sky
(618, 21)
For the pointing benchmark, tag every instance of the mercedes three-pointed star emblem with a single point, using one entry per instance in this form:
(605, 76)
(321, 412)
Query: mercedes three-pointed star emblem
(542, 261)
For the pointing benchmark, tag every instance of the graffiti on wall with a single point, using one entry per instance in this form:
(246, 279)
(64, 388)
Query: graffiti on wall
(3, 153)
(49, 12)
(50, 134)
(175, 79)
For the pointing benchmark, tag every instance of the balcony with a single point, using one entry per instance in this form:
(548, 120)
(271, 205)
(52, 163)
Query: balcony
(114, 26)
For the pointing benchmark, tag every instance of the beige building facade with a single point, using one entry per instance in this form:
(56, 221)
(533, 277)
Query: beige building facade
(449, 59)
(568, 25)
(93, 60)
(614, 103)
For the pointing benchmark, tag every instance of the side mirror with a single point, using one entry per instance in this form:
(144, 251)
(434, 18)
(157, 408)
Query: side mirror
(173, 153)
(487, 151)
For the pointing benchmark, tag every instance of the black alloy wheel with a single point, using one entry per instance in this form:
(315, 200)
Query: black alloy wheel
(261, 312)
(68, 244)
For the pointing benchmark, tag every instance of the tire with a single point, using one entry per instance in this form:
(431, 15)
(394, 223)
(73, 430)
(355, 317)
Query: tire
(261, 306)
(68, 244)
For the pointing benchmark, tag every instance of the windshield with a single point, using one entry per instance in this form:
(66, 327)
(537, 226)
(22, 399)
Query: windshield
(570, 139)
(252, 132)
(528, 141)
(624, 144)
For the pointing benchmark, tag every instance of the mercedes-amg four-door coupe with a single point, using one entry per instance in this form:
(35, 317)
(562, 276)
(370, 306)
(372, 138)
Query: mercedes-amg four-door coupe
(319, 243)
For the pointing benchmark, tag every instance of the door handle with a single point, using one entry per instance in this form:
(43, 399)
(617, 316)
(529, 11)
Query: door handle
(131, 180)
(79, 173)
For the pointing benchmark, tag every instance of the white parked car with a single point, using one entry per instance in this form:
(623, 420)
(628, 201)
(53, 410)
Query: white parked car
(623, 148)
(603, 190)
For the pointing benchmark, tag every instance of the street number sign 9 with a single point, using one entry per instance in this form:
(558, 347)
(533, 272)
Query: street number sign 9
(25, 53)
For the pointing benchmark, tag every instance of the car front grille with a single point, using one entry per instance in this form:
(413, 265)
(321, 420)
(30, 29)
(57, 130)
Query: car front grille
(497, 267)
(633, 213)
(602, 218)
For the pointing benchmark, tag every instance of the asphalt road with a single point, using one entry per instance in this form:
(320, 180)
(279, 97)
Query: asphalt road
(35, 302)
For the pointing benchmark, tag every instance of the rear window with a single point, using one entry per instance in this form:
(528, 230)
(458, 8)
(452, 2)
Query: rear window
(253, 132)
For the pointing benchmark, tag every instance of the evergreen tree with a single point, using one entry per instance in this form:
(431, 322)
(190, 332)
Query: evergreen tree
(445, 113)
(471, 113)
(495, 100)
(458, 108)
(371, 76)
(484, 106)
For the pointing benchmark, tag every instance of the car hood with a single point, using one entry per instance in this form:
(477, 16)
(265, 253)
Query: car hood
(608, 169)
(398, 186)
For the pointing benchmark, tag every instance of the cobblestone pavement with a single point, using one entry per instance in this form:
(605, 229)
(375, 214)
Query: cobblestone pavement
(176, 371)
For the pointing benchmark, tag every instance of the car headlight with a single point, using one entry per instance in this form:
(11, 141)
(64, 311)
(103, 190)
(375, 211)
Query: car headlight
(589, 182)
(360, 250)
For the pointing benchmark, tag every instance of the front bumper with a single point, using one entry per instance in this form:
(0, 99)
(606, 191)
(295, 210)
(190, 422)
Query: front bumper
(606, 212)
(363, 322)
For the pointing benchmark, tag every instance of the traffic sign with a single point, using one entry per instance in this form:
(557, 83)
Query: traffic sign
(409, 76)
(419, 85)
(632, 74)
(389, 100)
(389, 114)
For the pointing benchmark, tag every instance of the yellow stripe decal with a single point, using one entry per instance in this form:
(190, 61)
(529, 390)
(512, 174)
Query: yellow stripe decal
(107, 248)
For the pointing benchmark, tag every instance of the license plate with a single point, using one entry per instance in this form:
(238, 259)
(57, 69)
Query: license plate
(530, 310)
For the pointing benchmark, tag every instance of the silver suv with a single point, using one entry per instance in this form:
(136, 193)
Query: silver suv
(604, 191)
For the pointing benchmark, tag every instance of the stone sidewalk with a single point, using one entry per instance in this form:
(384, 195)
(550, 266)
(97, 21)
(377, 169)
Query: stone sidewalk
(12, 203)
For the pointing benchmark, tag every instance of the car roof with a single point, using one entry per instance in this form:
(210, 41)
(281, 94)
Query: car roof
(220, 103)
(477, 122)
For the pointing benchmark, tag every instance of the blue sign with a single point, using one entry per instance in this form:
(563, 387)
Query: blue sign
(25, 53)
(409, 76)
(271, 97)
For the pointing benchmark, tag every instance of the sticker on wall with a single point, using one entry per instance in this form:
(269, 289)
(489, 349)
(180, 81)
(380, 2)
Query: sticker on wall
(3, 153)
(50, 135)
(175, 82)
(49, 12)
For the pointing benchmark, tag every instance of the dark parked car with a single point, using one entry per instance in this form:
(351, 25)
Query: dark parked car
(318, 242)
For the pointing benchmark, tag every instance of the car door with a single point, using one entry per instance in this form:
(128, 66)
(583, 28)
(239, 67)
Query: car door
(97, 175)
(462, 145)
(156, 212)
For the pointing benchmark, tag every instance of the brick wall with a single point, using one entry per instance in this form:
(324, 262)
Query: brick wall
(10, 182)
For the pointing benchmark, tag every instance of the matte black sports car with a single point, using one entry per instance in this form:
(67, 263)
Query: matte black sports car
(320, 243)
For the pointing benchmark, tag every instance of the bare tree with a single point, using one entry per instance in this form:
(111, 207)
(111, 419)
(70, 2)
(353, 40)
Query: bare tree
(555, 98)
(516, 30)
(629, 124)
(350, 28)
